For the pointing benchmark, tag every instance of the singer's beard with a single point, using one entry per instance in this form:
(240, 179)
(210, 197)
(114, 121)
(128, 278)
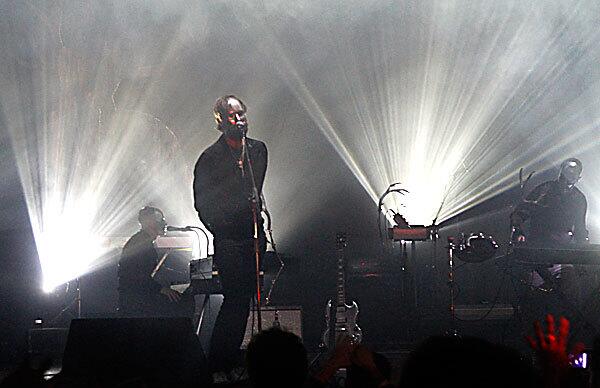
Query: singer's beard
(235, 133)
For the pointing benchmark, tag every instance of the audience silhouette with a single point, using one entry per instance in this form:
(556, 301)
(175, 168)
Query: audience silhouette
(278, 358)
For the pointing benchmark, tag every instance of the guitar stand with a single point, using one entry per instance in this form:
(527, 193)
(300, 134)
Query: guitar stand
(322, 351)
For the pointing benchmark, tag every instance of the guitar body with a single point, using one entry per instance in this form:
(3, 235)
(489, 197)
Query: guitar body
(341, 320)
(340, 317)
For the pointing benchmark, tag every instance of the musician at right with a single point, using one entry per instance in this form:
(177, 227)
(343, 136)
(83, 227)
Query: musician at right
(552, 215)
(556, 210)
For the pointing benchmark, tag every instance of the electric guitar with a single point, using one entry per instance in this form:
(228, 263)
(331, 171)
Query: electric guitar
(340, 318)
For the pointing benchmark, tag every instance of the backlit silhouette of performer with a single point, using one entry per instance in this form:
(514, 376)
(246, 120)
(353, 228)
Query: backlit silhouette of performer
(222, 196)
(556, 213)
(556, 210)
(139, 294)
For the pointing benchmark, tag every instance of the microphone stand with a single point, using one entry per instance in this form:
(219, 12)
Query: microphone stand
(452, 246)
(254, 206)
(271, 241)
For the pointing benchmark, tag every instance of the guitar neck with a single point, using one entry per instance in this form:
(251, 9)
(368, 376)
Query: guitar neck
(341, 281)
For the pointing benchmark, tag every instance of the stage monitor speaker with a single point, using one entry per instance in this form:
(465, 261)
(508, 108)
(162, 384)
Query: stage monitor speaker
(157, 351)
(47, 341)
(287, 317)
(47, 345)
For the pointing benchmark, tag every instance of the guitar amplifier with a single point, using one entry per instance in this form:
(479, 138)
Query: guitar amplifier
(287, 317)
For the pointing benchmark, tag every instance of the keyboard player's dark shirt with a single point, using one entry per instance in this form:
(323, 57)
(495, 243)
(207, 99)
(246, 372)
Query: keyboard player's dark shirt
(556, 214)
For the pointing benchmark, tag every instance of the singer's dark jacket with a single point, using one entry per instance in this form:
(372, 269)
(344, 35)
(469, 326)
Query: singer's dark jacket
(222, 194)
(136, 265)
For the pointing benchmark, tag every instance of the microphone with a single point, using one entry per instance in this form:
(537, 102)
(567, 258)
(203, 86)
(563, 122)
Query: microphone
(179, 228)
(241, 125)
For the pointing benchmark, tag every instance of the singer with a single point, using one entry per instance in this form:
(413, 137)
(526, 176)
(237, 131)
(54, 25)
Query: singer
(223, 190)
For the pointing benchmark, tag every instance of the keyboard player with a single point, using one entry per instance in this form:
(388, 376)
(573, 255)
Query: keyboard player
(140, 295)
(552, 215)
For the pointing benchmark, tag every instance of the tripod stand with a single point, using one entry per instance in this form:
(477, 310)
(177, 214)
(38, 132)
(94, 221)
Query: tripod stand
(75, 303)
(451, 247)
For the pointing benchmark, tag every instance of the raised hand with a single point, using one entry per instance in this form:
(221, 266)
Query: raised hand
(551, 349)
(339, 359)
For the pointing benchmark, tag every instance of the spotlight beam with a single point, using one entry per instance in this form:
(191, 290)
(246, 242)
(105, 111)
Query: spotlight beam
(458, 104)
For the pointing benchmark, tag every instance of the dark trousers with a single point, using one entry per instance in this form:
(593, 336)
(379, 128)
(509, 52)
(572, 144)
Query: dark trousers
(139, 305)
(235, 260)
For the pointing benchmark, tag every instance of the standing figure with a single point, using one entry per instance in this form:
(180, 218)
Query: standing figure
(223, 192)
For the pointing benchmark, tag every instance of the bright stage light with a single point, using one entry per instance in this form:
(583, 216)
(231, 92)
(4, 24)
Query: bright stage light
(67, 247)
(88, 153)
(449, 98)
